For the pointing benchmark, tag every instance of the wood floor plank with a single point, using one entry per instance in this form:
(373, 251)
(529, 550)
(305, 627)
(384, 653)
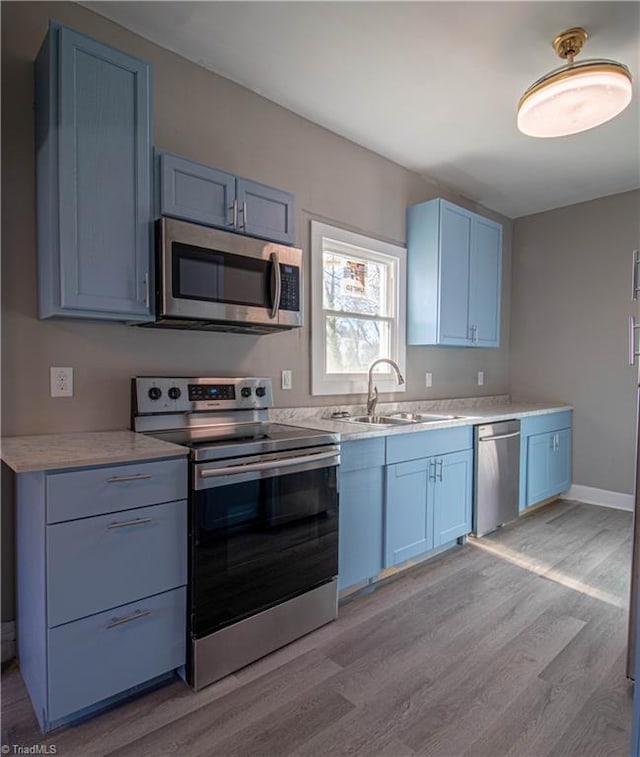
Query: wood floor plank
(233, 713)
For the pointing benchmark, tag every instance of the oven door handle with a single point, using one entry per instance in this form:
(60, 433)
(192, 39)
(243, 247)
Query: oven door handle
(288, 462)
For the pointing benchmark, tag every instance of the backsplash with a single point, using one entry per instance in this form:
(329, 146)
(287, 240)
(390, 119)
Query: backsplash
(284, 414)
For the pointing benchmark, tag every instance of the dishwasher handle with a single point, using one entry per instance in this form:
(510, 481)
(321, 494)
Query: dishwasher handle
(498, 436)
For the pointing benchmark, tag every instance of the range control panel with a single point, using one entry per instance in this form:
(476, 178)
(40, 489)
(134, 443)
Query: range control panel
(160, 394)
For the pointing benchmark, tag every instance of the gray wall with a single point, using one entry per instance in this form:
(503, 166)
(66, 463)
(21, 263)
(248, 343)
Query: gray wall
(212, 120)
(571, 291)
(209, 119)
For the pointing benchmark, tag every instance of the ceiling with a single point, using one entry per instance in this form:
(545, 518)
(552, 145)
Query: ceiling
(430, 85)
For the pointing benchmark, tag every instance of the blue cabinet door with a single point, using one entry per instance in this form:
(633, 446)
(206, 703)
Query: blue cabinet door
(452, 496)
(485, 266)
(93, 131)
(361, 514)
(538, 460)
(195, 192)
(560, 463)
(265, 211)
(455, 242)
(454, 276)
(409, 510)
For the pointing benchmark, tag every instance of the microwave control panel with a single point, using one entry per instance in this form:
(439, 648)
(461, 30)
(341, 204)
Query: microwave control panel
(290, 287)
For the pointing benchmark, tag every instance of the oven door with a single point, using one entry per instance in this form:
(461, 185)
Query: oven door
(263, 530)
(213, 275)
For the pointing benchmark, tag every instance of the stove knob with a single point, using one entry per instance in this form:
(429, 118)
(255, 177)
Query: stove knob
(261, 391)
(155, 393)
(174, 393)
(245, 391)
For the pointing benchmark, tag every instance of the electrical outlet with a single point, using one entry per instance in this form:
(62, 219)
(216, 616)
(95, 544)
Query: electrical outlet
(287, 380)
(428, 380)
(480, 378)
(61, 382)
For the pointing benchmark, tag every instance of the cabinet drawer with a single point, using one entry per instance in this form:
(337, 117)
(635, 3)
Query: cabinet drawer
(357, 455)
(541, 424)
(428, 443)
(95, 491)
(102, 655)
(109, 560)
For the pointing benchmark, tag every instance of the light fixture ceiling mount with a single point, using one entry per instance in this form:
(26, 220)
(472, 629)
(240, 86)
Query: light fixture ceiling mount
(576, 97)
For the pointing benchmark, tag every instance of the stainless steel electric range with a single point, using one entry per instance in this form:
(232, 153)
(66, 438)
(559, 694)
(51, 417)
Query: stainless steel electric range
(263, 518)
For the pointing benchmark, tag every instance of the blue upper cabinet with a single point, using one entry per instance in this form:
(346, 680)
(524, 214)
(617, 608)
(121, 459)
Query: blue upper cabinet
(196, 192)
(93, 141)
(454, 281)
(192, 191)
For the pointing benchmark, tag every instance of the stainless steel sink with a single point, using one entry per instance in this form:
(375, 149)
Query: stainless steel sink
(378, 420)
(423, 417)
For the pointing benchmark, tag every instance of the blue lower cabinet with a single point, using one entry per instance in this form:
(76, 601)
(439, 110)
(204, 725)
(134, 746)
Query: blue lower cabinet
(361, 507)
(409, 511)
(96, 657)
(452, 497)
(361, 511)
(545, 456)
(428, 504)
(548, 465)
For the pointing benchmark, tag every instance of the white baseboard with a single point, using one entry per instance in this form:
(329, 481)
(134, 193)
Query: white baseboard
(8, 641)
(592, 496)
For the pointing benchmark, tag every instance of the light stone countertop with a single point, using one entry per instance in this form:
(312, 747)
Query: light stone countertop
(24, 454)
(484, 413)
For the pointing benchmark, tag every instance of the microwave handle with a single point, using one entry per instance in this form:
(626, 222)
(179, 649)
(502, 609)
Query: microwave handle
(276, 284)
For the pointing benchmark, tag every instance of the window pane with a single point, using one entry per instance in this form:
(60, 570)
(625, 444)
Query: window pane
(354, 343)
(354, 284)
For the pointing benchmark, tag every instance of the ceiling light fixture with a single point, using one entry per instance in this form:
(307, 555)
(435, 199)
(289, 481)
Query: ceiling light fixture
(577, 96)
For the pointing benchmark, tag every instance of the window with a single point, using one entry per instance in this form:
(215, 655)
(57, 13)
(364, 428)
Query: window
(358, 290)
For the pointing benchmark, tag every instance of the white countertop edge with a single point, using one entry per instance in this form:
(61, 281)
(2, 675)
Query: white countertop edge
(352, 431)
(67, 451)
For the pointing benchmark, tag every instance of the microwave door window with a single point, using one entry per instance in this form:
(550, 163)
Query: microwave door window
(216, 276)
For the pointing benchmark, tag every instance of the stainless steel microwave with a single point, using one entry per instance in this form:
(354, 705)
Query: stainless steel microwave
(213, 280)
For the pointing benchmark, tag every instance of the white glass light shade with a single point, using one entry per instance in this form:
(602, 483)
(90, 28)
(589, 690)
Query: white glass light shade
(575, 98)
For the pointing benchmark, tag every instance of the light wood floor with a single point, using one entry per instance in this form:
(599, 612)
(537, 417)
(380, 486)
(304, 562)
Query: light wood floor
(511, 645)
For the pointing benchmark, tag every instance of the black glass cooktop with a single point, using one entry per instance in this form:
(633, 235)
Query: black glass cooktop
(235, 440)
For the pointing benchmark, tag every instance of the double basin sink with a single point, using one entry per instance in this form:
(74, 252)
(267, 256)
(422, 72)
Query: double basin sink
(399, 419)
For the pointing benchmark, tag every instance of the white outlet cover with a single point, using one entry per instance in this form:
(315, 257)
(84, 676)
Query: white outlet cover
(428, 380)
(480, 378)
(287, 379)
(61, 381)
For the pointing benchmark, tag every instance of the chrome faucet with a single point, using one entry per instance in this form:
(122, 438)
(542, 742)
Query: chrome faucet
(372, 396)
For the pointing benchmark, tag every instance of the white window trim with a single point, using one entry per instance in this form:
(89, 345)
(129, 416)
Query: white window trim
(354, 383)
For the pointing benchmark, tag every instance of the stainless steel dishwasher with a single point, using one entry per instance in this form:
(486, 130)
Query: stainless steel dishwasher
(497, 475)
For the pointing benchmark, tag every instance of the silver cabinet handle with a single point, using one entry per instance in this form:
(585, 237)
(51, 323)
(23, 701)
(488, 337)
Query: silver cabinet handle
(440, 464)
(128, 618)
(234, 213)
(276, 284)
(633, 327)
(134, 477)
(244, 214)
(474, 333)
(268, 464)
(126, 523)
(146, 289)
(634, 275)
(432, 467)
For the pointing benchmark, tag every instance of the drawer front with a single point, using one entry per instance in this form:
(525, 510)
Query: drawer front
(428, 443)
(109, 560)
(100, 656)
(357, 455)
(541, 424)
(96, 491)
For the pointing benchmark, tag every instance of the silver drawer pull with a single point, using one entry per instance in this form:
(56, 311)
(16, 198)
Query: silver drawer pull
(128, 618)
(135, 477)
(125, 523)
